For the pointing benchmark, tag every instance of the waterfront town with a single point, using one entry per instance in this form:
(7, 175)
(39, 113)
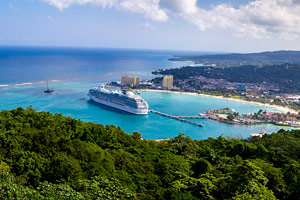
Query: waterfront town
(253, 92)
(228, 115)
(250, 92)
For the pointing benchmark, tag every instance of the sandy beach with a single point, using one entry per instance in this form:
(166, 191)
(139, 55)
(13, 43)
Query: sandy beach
(281, 108)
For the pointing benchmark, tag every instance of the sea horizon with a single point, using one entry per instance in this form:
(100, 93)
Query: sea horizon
(22, 64)
(196, 52)
(72, 73)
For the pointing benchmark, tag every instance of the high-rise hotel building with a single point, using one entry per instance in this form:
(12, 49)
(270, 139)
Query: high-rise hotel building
(130, 80)
(168, 81)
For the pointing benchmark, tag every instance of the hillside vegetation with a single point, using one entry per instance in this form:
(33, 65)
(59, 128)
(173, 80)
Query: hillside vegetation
(284, 76)
(46, 156)
(232, 59)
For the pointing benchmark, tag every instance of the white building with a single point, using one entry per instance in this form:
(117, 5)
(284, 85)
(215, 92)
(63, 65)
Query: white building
(293, 98)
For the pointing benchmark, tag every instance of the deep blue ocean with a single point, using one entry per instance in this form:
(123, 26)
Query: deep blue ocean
(72, 71)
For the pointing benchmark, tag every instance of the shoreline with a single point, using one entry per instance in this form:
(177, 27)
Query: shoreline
(281, 108)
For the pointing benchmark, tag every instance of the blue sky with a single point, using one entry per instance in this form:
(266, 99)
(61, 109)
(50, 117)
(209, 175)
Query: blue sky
(203, 25)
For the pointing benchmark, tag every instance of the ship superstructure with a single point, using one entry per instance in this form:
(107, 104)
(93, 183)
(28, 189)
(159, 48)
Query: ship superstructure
(120, 99)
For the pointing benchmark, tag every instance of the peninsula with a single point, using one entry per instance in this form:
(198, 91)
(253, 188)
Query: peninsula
(238, 59)
(271, 84)
(228, 115)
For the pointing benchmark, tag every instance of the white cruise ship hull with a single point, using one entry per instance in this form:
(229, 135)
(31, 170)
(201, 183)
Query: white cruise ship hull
(120, 107)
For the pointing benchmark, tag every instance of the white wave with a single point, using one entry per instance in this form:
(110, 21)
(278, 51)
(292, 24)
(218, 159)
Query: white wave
(4, 85)
(20, 84)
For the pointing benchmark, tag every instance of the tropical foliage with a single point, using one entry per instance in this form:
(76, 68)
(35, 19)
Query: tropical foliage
(45, 156)
(283, 76)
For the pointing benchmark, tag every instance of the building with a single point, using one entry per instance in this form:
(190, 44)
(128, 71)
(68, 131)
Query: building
(292, 98)
(279, 117)
(130, 80)
(168, 81)
(257, 135)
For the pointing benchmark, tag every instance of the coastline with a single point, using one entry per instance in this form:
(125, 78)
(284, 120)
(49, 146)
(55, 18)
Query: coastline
(281, 108)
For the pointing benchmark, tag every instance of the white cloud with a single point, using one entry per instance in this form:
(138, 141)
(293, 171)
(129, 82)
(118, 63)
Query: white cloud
(62, 4)
(149, 8)
(180, 6)
(257, 19)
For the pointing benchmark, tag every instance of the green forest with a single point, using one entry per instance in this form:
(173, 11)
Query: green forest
(285, 77)
(50, 156)
(236, 59)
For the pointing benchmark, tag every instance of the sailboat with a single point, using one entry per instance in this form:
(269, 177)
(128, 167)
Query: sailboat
(48, 90)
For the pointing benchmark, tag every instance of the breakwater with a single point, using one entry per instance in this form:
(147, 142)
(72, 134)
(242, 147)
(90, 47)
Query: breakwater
(181, 118)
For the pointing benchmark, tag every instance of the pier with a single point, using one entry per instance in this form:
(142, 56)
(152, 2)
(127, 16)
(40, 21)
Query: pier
(181, 118)
(192, 117)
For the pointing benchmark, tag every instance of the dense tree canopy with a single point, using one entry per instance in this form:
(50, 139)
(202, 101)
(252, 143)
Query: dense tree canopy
(236, 59)
(45, 156)
(284, 76)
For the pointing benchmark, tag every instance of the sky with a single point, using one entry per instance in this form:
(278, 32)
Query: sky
(200, 25)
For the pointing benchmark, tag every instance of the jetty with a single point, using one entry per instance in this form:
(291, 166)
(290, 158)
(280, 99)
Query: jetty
(192, 117)
(181, 118)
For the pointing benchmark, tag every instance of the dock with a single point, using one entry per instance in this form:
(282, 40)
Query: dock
(192, 117)
(181, 118)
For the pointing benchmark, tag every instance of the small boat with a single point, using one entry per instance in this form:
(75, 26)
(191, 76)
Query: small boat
(48, 90)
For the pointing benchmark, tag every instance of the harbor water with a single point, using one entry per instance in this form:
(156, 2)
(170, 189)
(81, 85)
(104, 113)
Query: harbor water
(71, 72)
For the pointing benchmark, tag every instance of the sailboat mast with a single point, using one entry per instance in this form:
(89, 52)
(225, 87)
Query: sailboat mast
(48, 90)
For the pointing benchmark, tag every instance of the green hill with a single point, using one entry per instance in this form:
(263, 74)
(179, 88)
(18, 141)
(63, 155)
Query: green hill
(285, 76)
(46, 156)
(233, 59)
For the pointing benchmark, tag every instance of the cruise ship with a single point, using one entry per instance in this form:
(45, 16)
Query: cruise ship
(122, 100)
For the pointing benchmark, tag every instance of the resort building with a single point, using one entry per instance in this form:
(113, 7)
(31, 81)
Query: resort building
(257, 135)
(130, 80)
(168, 82)
(292, 98)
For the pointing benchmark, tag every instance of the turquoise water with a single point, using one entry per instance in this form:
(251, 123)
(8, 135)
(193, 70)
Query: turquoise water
(23, 71)
(70, 98)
